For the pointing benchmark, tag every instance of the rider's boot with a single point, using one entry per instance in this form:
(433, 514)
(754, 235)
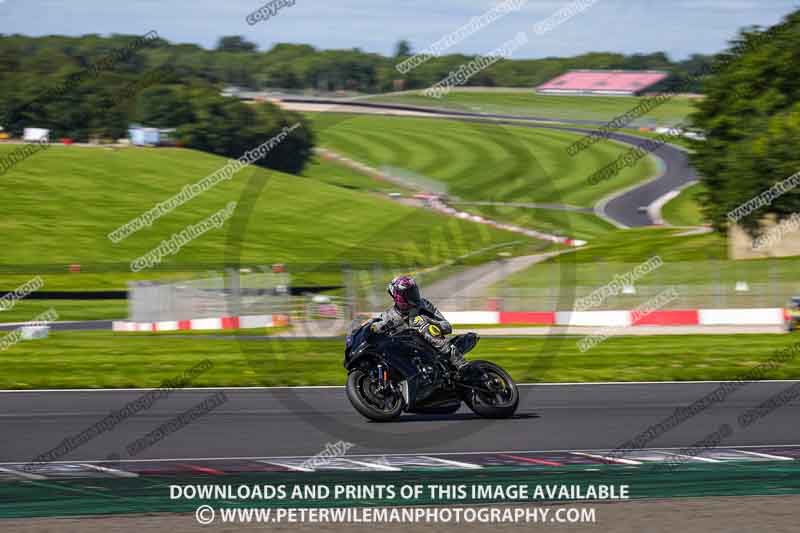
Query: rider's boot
(457, 358)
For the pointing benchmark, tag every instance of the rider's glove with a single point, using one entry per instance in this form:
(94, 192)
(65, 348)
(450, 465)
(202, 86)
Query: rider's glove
(424, 326)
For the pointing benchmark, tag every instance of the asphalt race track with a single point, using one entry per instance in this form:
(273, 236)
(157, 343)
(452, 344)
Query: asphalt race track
(299, 422)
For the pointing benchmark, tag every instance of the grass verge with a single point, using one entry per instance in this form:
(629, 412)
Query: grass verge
(575, 224)
(108, 360)
(27, 310)
(528, 103)
(685, 209)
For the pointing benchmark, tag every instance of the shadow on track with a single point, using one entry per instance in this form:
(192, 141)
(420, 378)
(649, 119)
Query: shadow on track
(453, 418)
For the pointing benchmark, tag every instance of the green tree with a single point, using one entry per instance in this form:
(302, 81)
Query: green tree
(235, 43)
(403, 49)
(164, 107)
(751, 116)
(230, 128)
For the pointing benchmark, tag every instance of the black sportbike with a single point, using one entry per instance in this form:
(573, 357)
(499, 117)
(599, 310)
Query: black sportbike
(389, 374)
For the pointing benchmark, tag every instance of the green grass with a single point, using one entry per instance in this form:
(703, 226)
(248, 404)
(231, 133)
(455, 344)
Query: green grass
(684, 209)
(575, 224)
(341, 176)
(618, 252)
(696, 265)
(636, 245)
(528, 103)
(204, 333)
(103, 359)
(480, 161)
(682, 142)
(600, 108)
(26, 310)
(67, 199)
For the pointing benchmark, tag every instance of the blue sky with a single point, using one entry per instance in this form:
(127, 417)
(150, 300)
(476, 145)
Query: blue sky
(678, 27)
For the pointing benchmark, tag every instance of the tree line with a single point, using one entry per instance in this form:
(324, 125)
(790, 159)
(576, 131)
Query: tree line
(31, 65)
(94, 87)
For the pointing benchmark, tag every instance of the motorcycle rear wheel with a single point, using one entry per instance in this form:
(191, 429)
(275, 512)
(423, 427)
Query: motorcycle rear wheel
(370, 403)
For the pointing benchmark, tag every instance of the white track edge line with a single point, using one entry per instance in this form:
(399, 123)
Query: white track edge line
(267, 459)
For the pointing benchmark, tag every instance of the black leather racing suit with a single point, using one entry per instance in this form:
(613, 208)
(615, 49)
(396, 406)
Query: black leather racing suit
(425, 319)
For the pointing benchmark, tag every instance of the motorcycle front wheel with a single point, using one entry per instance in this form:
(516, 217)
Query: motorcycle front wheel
(380, 406)
(496, 395)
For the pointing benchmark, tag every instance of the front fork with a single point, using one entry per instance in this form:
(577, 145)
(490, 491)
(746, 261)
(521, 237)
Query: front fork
(383, 377)
(384, 383)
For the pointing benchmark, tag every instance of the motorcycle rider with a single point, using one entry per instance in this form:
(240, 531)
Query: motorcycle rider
(411, 311)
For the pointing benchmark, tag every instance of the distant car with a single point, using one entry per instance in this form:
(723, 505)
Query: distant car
(696, 135)
(641, 209)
